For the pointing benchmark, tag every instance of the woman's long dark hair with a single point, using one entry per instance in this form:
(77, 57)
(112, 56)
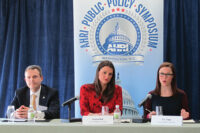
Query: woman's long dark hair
(157, 90)
(109, 91)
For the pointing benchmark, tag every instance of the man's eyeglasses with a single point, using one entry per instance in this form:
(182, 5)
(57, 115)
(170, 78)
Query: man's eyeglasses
(165, 74)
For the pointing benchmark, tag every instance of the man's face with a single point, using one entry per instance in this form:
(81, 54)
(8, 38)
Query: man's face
(33, 79)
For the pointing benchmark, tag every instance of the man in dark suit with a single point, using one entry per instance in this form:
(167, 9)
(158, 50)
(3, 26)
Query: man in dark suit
(46, 101)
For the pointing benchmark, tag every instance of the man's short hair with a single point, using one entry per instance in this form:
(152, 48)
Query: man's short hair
(32, 67)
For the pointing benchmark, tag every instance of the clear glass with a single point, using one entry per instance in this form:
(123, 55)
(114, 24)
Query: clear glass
(10, 112)
(105, 110)
(159, 110)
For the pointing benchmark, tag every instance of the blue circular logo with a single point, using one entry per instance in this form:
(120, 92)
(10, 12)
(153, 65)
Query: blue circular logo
(117, 43)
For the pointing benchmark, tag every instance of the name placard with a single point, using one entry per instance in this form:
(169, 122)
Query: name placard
(97, 120)
(167, 120)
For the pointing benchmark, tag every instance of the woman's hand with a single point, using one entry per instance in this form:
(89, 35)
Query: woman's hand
(94, 114)
(151, 113)
(97, 114)
(185, 114)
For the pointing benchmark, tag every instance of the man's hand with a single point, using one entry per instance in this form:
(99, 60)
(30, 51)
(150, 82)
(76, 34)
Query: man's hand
(22, 112)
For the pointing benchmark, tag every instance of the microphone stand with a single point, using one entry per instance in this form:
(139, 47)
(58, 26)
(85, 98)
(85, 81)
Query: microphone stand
(69, 112)
(69, 115)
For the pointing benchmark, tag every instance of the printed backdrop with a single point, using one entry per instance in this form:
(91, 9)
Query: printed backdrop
(127, 32)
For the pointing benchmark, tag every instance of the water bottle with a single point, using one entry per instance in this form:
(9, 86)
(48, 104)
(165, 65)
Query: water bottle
(117, 114)
(31, 114)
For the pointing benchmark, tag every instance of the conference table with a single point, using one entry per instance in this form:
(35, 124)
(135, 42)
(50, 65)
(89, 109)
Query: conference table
(58, 126)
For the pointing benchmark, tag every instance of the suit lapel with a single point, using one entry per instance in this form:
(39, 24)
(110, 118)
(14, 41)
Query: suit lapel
(43, 96)
(27, 98)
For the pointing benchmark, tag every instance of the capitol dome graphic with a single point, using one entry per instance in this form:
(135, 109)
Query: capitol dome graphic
(117, 43)
(129, 110)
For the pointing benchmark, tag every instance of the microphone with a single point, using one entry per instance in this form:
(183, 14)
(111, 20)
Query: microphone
(144, 100)
(70, 101)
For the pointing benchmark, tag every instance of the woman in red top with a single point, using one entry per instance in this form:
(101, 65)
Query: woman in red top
(103, 92)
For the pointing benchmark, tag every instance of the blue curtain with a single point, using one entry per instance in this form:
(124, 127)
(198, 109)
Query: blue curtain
(182, 46)
(41, 32)
(36, 32)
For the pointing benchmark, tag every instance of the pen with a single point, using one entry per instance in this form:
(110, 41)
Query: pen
(148, 110)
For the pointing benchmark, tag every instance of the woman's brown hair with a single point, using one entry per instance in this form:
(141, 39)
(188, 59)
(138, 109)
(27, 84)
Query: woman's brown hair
(109, 91)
